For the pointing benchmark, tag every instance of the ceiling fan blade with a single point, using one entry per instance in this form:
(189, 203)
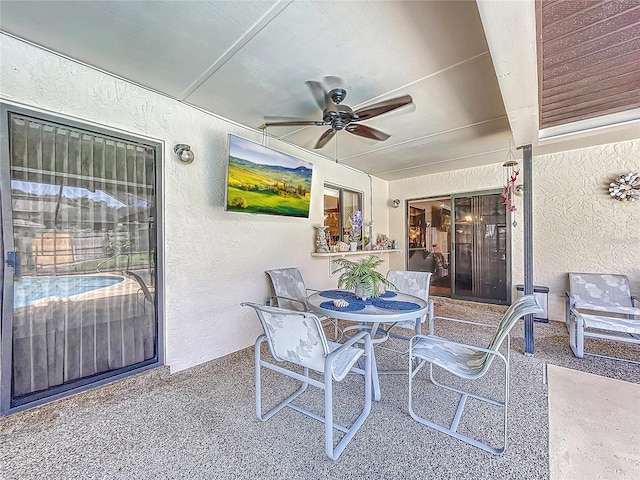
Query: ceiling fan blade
(367, 132)
(325, 137)
(292, 123)
(283, 118)
(330, 82)
(318, 92)
(383, 107)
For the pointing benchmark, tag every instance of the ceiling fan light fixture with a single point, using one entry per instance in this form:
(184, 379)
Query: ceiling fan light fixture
(337, 95)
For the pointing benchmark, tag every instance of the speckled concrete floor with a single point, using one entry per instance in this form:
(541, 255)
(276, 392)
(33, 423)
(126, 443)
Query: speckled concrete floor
(200, 423)
(594, 423)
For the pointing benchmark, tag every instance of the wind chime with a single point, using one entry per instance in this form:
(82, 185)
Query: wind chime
(509, 191)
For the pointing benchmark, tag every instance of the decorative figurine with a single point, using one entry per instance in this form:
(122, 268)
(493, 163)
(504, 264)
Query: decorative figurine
(321, 239)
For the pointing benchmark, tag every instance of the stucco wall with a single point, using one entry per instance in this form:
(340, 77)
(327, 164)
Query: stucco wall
(577, 227)
(213, 259)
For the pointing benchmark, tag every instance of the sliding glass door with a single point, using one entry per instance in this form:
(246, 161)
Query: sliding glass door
(79, 239)
(429, 240)
(463, 240)
(480, 249)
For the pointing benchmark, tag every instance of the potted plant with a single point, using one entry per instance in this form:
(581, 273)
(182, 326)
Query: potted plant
(362, 276)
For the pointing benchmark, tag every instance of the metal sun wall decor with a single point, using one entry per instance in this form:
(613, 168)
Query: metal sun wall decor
(626, 188)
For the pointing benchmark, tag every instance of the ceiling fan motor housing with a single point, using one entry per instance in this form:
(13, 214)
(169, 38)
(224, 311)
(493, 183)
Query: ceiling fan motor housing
(338, 116)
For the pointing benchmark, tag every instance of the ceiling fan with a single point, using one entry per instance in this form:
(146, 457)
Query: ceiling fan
(337, 116)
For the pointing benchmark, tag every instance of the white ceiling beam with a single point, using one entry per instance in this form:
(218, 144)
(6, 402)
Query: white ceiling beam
(510, 29)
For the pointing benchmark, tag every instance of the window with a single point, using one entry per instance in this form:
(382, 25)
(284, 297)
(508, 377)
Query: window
(339, 204)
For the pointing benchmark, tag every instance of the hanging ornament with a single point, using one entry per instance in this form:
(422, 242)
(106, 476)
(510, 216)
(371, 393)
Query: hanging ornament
(509, 190)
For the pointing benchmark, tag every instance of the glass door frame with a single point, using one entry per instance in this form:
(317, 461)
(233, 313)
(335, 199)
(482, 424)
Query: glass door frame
(452, 265)
(452, 261)
(7, 406)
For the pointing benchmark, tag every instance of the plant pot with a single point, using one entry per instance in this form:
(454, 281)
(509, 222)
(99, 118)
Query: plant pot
(363, 291)
(353, 246)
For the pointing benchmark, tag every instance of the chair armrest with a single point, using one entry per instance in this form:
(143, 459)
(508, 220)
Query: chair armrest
(569, 299)
(359, 337)
(464, 345)
(431, 306)
(605, 309)
(313, 290)
(353, 340)
(635, 299)
(457, 320)
(272, 302)
(568, 305)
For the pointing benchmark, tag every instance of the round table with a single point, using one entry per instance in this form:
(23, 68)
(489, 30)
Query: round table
(374, 312)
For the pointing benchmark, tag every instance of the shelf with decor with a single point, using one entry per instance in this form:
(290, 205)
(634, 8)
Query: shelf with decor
(346, 254)
(357, 252)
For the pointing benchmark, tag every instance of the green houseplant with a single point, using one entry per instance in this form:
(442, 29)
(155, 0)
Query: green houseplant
(362, 276)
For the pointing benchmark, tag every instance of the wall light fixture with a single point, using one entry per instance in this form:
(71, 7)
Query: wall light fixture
(185, 155)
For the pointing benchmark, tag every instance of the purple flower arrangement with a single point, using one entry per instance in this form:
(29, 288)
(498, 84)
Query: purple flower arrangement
(356, 226)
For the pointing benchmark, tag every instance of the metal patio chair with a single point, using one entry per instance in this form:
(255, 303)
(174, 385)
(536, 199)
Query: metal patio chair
(601, 306)
(145, 293)
(468, 362)
(291, 293)
(416, 284)
(298, 338)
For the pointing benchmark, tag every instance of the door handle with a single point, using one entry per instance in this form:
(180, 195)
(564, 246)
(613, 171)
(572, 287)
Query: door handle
(13, 261)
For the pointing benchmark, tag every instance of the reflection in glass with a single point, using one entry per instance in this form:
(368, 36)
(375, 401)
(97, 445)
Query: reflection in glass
(339, 204)
(83, 208)
(480, 248)
(429, 237)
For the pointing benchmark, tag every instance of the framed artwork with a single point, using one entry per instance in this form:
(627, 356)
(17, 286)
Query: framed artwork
(266, 181)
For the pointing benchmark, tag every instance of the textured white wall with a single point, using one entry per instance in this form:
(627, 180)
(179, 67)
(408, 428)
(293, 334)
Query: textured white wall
(577, 227)
(213, 259)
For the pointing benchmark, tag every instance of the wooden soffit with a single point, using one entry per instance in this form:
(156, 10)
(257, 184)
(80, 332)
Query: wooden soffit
(588, 59)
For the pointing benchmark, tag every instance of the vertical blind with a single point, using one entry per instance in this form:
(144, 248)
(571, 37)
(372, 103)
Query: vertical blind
(83, 204)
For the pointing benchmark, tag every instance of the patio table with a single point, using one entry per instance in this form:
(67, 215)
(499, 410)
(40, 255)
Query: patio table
(369, 314)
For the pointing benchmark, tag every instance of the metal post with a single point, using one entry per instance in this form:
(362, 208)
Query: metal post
(528, 242)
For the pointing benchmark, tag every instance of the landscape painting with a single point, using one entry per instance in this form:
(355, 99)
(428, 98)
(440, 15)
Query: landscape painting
(264, 180)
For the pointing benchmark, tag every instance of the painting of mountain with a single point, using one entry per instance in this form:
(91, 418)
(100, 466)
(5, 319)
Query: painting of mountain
(263, 180)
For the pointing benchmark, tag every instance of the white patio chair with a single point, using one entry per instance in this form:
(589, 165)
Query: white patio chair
(412, 283)
(467, 362)
(298, 338)
(601, 306)
(147, 292)
(291, 293)
(416, 284)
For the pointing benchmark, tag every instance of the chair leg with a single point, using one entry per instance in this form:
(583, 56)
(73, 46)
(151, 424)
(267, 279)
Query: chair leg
(452, 430)
(576, 335)
(258, 379)
(336, 329)
(334, 453)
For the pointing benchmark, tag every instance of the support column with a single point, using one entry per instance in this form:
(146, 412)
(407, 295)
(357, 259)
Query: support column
(528, 242)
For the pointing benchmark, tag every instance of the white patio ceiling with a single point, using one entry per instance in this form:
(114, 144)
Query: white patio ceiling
(244, 60)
